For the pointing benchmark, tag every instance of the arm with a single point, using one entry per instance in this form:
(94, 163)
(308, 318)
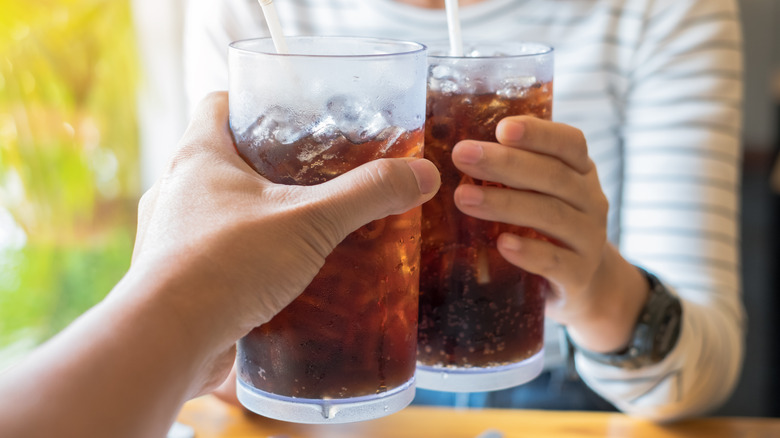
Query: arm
(122, 369)
(681, 151)
(680, 206)
(219, 250)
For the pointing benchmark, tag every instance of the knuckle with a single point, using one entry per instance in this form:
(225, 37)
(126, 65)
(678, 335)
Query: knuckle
(580, 277)
(603, 203)
(504, 157)
(598, 239)
(382, 175)
(180, 159)
(504, 165)
(577, 149)
(580, 143)
(554, 213)
(601, 207)
(558, 174)
(551, 264)
(147, 201)
(500, 200)
(216, 96)
(326, 231)
(387, 178)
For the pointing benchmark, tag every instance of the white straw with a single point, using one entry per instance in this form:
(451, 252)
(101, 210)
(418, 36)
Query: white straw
(272, 20)
(453, 25)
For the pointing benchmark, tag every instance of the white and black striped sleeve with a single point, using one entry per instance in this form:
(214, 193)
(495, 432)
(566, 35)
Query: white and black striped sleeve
(680, 203)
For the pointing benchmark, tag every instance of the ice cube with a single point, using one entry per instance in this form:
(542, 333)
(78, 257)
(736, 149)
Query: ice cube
(289, 133)
(344, 108)
(320, 141)
(324, 128)
(515, 87)
(310, 151)
(278, 124)
(258, 129)
(491, 113)
(389, 136)
(265, 126)
(365, 128)
(359, 119)
(298, 125)
(445, 78)
(441, 71)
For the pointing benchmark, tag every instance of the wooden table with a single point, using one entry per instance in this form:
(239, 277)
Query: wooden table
(213, 419)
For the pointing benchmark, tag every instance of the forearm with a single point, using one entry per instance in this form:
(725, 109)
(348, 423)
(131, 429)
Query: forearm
(122, 369)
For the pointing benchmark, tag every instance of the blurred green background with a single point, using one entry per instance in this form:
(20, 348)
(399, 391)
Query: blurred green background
(68, 162)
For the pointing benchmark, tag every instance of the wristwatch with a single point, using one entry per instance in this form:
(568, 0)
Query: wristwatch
(655, 334)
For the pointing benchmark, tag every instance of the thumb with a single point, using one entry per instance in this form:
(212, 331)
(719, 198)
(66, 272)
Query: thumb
(378, 189)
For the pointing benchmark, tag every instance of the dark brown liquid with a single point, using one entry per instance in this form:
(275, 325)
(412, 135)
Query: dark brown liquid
(352, 331)
(476, 309)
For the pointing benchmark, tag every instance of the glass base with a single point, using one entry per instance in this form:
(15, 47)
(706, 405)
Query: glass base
(476, 379)
(325, 411)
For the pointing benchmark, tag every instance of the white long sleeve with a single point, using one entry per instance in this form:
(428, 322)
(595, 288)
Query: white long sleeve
(680, 208)
(656, 87)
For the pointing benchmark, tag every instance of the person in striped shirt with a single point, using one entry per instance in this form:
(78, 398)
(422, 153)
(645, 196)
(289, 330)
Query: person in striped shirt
(645, 143)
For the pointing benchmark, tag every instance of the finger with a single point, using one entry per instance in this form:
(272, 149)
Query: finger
(558, 265)
(521, 169)
(375, 190)
(558, 140)
(546, 214)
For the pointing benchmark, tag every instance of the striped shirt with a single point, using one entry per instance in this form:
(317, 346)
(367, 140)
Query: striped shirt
(656, 87)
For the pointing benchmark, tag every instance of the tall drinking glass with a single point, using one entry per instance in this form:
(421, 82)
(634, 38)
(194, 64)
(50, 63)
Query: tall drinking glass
(345, 349)
(481, 318)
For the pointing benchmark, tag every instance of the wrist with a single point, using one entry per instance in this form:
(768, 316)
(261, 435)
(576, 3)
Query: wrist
(655, 332)
(620, 292)
(191, 303)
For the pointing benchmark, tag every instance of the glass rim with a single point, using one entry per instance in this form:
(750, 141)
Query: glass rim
(414, 47)
(545, 49)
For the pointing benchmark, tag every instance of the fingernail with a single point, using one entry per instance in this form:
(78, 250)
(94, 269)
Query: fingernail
(510, 242)
(469, 153)
(426, 174)
(511, 130)
(470, 195)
